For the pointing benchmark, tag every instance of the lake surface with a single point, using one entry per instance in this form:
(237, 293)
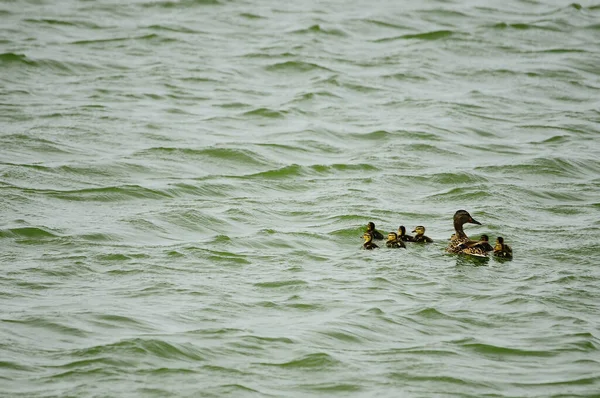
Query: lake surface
(184, 186)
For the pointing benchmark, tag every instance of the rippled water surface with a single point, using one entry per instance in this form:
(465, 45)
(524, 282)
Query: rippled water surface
(184, 186)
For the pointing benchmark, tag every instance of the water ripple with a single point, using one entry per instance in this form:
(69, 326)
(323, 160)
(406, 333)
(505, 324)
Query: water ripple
(185, 186)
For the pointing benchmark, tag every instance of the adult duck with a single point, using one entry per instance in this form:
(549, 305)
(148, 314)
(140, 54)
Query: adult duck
(459, 241)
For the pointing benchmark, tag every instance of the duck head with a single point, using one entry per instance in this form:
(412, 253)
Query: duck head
(371, 226)
(462, 217)
(401, 230)
(367, 237)
(420, 230)
(392, 237)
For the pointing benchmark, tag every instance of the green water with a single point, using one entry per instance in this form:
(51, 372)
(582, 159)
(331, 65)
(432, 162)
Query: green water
(184, 186)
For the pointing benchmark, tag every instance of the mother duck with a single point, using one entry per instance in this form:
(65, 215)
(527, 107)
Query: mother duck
(459, 242)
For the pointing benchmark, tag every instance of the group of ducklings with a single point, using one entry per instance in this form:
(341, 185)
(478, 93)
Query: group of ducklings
(394, 239)
(459, 241)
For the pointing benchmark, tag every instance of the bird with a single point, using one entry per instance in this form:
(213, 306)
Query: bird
(501, 249)
(394, 242)
(481, 248)
(484, 243)
(369, 245)
(420, 235)
(402, 234)
(371, 229)
(459, 241)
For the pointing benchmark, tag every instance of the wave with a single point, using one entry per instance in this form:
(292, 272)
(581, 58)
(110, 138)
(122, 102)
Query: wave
(433, 35)
(296, 66)
(320, 30)
(551, 167)
(283, 172)
(108, 194)
(233, 105)
(524, 26)
(151, 37)
(249, 15)
(495, 350)
(129, 349)
(181, 3)
(62, 22)
(445, 13)
(278, 284)
(385, 24)
(231, 155)
(266, 112)
(112, 321)
(7, 58)
(27, 232)
(315, 362)
(295, 170)
(464, 194)
(27, 64)
(173, 28)
(44, 324)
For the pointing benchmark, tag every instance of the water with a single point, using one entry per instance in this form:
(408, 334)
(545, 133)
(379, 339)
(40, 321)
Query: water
(184, 184)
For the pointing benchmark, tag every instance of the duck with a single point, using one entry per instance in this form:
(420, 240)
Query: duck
(459, 241)
(501, 249)
(371, 229)
(369, 245)
(420, 235)
(402, 234)
(481, 248)
(393, 241)
(484, 243)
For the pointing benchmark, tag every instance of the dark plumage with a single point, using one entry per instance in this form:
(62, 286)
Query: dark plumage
(484, 243)
(402, 234)
(371, 229)
(459, 241)
(480, 248)
(420, 235)
(394, 242)
(501, 249)
(369, 245)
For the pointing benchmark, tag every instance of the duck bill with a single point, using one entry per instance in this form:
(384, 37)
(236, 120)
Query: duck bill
(474, 221)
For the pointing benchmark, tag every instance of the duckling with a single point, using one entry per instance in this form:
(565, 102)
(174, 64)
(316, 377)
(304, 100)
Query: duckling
(369, 245)
(371, 229)
(402, 235)
(480, 248)
(394, 241)
(420, 235)
(459, 237)
(501, 249)
(484, 243)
